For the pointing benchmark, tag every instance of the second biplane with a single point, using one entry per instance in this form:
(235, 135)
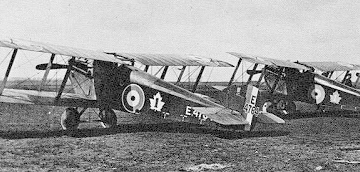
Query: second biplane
(287, 85)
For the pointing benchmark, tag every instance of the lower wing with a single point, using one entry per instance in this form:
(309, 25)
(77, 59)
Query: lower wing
(45, 98)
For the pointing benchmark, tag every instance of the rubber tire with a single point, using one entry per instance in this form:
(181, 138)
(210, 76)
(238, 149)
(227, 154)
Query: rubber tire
(109, 119)
(70, 119)
(281, 105)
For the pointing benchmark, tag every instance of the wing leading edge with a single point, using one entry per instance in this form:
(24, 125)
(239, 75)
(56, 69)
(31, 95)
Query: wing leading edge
(57, 49)
(146, 59)
(269, 61)
(332, 66)
(173, 60)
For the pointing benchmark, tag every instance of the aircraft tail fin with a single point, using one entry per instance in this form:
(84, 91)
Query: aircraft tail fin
(250, 108)
(82, 84)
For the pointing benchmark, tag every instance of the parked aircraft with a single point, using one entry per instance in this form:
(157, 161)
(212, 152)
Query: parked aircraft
(109, 81)
(289, 84)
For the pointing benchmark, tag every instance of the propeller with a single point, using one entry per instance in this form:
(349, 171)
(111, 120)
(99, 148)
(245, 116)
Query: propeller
(53, 66)
(78, 65)
(253, 72)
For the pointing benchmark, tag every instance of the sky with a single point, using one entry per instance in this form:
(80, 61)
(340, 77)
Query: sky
(304, 30)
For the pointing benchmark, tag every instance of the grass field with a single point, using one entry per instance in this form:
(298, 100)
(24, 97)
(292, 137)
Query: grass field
(31, 140)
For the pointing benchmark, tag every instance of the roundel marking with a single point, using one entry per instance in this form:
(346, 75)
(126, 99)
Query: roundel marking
(133, 98)
(318, 93)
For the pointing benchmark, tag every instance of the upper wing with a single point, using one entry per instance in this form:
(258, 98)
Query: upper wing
(57, 49)
(173, 60)
(146, 59)
(332, 66)
(268, 61)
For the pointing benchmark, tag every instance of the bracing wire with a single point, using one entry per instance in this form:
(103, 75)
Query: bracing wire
(27, 60)
(6, 57)
(243, 72)
(27, 79)
(340, 75)
(173, 70)
(207, 81)
(191, 73)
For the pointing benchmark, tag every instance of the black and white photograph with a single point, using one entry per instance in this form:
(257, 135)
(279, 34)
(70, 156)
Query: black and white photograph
(180, 85)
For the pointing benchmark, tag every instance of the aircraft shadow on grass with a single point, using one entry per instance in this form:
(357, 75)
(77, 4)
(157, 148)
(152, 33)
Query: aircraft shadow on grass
(136, 128)
(340, 114)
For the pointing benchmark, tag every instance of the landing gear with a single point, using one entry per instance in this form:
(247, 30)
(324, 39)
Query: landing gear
(283, 107)
(268, 107)
(70, 119)
(108, 118)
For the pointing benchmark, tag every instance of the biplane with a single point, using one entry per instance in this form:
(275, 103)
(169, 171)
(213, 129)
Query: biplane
(287, 85)
(109, 81)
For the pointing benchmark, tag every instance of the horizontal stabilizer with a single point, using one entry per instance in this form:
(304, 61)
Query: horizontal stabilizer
(270, 118)
(219, 87)
(222, 116)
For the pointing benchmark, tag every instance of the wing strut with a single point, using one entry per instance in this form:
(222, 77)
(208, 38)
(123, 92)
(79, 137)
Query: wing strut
(251, 75)
(159, 70)
(276, 80)
(181, 74)
(48, 67)
(357, 80)
(198, 78)
(66, 77)
(8, 71)
(261, 77)
(146, 68)
(164, 72)
(234, 73)
(343, 80)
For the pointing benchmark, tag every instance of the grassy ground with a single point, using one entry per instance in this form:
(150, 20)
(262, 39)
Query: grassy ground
(31, 140)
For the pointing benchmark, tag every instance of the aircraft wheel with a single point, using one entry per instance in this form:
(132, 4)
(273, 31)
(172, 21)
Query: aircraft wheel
(266, 106)
(270, 107)
(281, 105)
(70, 119)
(108, 118)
